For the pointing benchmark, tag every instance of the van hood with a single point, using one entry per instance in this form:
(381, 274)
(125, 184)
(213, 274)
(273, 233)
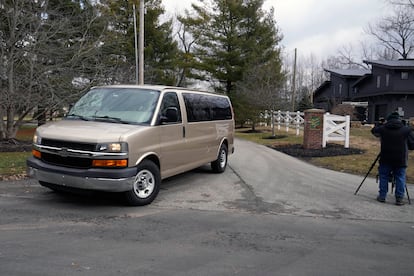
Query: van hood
(87, 131)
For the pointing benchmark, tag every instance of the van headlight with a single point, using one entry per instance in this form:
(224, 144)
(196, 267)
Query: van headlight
(112, 147)
(37, 140)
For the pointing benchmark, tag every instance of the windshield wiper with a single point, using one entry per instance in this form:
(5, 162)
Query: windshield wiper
(78, 116)
(110, 119)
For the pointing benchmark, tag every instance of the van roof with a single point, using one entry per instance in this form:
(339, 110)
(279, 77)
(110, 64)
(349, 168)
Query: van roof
(146, 86)
(156, 87)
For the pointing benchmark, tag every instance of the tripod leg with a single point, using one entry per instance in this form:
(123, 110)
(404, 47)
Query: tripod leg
(359, 187)
(370, 169)
(408, 195)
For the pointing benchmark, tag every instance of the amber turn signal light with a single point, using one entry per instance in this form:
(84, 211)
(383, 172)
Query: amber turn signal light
(110, 163)
(37, 153)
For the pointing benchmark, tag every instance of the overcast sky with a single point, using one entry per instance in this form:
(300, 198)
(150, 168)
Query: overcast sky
(320, 27)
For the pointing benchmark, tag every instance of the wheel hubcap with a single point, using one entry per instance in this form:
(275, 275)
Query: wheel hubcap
(144, 184)
(223, 158)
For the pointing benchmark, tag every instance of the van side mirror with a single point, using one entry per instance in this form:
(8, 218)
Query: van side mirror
(68, 109)
(171, 115)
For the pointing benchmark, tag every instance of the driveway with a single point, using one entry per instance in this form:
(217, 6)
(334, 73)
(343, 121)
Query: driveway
(283, 184)
(268, 214)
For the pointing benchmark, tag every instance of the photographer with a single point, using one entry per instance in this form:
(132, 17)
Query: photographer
(394, 155)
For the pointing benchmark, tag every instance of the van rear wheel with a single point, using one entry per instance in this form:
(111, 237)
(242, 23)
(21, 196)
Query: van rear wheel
(220, 164)
(146, 184)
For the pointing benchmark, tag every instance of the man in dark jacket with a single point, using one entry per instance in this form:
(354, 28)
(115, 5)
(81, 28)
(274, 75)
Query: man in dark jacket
(393, 156)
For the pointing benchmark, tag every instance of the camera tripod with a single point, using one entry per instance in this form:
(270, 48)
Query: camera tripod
(391, 179)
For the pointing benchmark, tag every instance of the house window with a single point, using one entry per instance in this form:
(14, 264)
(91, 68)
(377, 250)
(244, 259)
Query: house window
(387, 80)
(378, 81)
(340, 89)
(404, 75)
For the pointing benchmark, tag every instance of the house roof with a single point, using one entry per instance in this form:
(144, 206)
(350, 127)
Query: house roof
(361, 80)
(349, 72)
(396, 64)
(320, 89)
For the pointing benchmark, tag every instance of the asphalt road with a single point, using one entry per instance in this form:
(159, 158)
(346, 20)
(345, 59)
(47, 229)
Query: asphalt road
(268, 214)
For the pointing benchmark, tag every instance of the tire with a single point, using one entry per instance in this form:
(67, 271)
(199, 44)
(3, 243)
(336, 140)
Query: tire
(146, 184)
(220, 164)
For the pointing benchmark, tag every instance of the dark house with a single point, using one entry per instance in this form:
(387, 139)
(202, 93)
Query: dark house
(387, 87)
(338, 89)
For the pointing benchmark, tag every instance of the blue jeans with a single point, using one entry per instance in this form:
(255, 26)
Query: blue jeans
(384, 176)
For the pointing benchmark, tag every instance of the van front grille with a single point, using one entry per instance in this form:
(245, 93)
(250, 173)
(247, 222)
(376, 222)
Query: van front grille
(67, 161)
(68, 145)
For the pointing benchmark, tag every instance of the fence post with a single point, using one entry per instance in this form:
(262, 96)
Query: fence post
(278, 118)
(313, 130)
(287, 120)
(325, 133)
(297, 122)
(347, 129)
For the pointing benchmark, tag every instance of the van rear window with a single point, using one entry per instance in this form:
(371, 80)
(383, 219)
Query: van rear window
(202, 107)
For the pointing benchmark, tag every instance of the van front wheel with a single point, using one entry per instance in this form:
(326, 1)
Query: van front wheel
(219, 165)
(146, 184)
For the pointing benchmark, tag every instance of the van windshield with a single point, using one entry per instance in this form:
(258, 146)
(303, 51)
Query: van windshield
(116, 105)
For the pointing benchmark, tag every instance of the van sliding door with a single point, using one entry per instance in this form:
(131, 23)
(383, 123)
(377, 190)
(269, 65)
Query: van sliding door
(201, 135)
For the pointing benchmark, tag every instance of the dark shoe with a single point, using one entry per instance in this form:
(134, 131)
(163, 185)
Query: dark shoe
(399, 201)
(380, 199)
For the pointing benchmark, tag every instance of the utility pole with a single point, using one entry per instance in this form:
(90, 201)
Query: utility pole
(141, 41)
(136, 45)
(294, 82)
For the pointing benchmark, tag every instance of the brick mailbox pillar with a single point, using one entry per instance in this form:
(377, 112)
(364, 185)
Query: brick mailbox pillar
(313, 132)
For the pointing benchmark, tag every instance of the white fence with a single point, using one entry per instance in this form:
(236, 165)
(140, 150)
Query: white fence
(336, 128)
(287, 119)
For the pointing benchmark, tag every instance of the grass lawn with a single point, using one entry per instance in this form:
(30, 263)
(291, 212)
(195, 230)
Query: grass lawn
(360, 138)
(14, 163)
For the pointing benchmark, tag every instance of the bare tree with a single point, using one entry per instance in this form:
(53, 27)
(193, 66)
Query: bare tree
(404, 3)
(309, 75)
(261, 88)
(349, 59)
(396, 32)
(17, 70)
(45, 46)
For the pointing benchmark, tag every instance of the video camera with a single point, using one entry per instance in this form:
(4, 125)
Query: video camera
(380, 121)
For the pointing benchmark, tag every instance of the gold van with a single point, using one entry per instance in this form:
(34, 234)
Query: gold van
(127, 138)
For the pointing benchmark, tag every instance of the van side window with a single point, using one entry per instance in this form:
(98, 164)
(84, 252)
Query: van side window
(197, 107)
(170, 100)
(221, 109)
(202, 107)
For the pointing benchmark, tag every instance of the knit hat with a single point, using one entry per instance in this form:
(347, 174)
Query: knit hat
(393, 116)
